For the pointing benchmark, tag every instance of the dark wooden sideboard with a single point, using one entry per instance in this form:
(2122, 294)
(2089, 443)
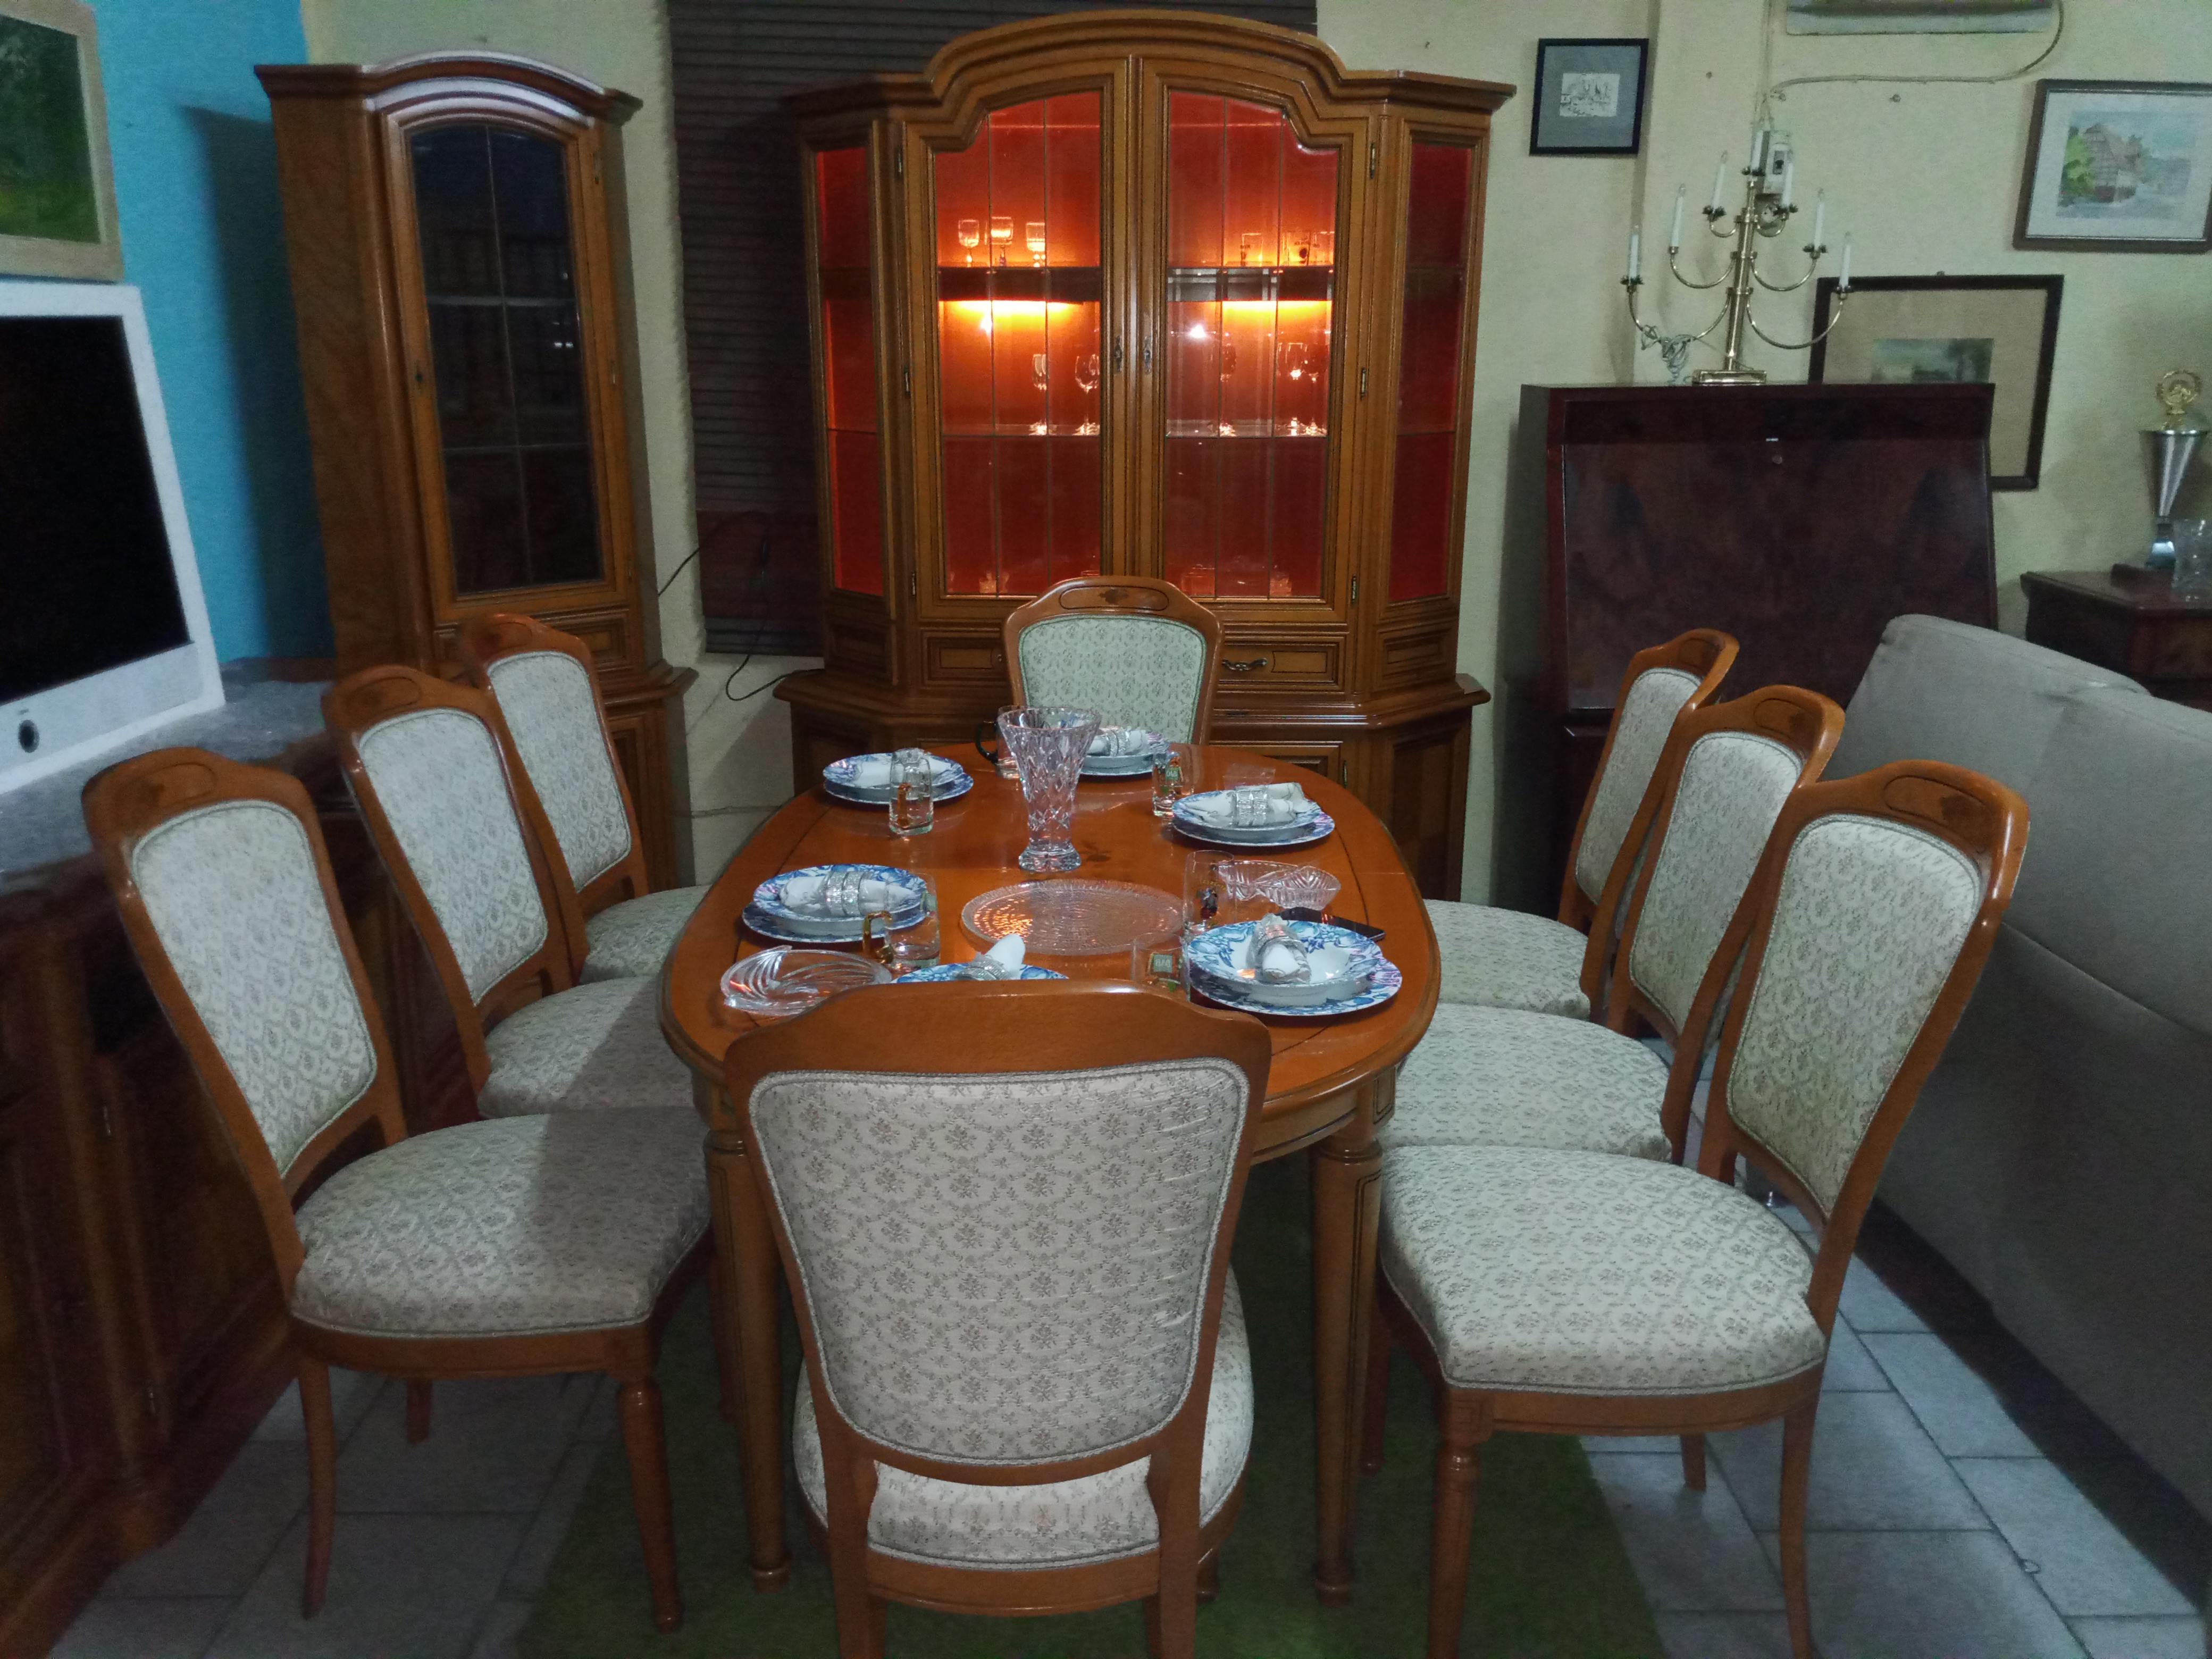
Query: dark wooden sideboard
(1799, 518)
(2128, 621)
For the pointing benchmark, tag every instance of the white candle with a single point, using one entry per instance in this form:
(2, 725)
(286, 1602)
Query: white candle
(1720, 181)
(1789, 181)
(1635, 255)
(1843, 276)
(1758, 149)
(1674, 236)
(1820, 217)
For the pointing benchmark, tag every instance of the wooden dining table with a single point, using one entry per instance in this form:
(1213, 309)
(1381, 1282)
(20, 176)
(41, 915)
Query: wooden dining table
(1330, 1083)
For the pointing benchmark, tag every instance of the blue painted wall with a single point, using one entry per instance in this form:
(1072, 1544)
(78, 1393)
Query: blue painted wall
(203, 237)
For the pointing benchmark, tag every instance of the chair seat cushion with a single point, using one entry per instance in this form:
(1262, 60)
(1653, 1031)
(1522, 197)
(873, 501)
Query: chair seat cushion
(1575, 1273)
(630, 940)
(596, 1048)
(1496, 958)
(1063, 1523)
(508, 1228)
(1497, 1076)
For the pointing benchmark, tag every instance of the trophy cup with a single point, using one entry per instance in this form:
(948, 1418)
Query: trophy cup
(2172, 445)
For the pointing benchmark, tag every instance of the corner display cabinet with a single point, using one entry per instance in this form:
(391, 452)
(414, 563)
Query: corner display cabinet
(461, 271)
(1165, 295)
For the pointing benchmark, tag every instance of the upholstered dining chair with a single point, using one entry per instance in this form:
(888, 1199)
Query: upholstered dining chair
(1499, 959)
(432, 768)
(548, 696)
(1505, 1077)
(516, 1246)
(1006, 1235)
(1138, 650)
(1568, 1292)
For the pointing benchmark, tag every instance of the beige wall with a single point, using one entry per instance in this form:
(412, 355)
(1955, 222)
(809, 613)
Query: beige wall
(1926, 176)
(739, 754)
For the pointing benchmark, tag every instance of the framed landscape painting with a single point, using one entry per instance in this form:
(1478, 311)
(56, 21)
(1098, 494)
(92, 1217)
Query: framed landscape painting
(2120, 166)
(2000, 330)
(57, 188)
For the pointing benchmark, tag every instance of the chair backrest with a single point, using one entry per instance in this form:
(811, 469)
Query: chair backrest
(1660, 683)
(1004, 1211)
(1864, 931)
(1733, 766)
(549, 695)
(226, 895)
(433, 770)
(1139, 651)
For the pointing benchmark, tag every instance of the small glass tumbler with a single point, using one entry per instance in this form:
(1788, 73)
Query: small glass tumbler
(1048, 745)
(2192, 559)
(1201, 892)
(1174, 767)
(1157, 963)
(914, 793)
(916, 946)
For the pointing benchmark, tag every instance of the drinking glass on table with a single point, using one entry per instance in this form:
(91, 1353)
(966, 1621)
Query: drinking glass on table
(1158, 962)
(1048, 745)
(914, 792)
(917, 945)
(1175, 772)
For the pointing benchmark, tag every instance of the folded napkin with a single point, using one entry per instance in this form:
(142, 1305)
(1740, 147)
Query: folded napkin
(1273, 954)
(844, 893)
(1002, 961)
(874, 771)
(1283, 803)
(1115, 742)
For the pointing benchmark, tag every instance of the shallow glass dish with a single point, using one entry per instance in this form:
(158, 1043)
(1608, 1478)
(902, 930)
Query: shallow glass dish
(1072, 917)
(778, 984)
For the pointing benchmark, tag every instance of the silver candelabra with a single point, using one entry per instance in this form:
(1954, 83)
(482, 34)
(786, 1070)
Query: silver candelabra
(1769, 204)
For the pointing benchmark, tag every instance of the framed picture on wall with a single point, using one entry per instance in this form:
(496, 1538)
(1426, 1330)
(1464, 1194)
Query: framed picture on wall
(1589, 98)
(2000, 330)
(57, 188)
(2118, 166)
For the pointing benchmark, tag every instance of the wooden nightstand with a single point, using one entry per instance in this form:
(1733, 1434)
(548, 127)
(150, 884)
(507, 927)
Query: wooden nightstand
(2130, 622)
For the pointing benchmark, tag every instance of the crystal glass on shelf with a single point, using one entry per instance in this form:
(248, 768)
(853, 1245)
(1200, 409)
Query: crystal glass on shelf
(1324, 246)
(1248, 247)
(914, 793)
(971, 233)
(1304, 242)
(1294, 359)
(1033, 237)
(1039, 370)
(1002, 238)
(1086, 378)
(1048, 745)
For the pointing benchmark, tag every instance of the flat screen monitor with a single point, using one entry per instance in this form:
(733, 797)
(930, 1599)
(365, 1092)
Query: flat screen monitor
(103, 631)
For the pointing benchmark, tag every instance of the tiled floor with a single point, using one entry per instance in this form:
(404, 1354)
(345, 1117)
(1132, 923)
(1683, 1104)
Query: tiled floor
(1962, 1505)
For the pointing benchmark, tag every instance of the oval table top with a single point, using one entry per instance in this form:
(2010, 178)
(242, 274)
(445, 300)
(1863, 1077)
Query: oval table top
(1318, 1064)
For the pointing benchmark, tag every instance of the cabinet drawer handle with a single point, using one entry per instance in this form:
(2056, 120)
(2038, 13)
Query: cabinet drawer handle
(1245, 667)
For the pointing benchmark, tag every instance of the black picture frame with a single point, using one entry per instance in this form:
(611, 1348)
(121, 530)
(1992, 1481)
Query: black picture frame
(2192, 96)
(1552, 132)
(2030, 468)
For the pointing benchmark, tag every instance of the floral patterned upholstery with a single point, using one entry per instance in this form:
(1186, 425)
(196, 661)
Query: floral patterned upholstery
(1133, 671)
(597, 1047)
(1575, 1273)
(631, 940)
(1733, 787)
(437, 773)
(1870, 920)
(1497, 958)
(1004, 1268)
(546, 699)
(1502, 1077)
(513, 1228)
(1640, 732)
(233, 893)
(1061, 1523)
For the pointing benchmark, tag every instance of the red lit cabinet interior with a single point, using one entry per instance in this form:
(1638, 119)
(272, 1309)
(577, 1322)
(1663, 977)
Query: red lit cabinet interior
(1164, 295)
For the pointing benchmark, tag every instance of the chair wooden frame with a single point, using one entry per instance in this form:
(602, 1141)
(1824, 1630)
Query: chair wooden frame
(980, 1028)
(1976, 815)
(123, 805)
(487, 638)
(361, 701)
(1122, 596)
(1811, 725)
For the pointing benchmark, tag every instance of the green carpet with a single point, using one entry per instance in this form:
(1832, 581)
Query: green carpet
(1549, 1576)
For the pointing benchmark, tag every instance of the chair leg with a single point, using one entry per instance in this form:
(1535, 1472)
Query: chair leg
(1451, 1537)
(1209, 1579)
(646, 1442)
(725, 1347)
(418, 1412)
(1796, 1480)
(322, 1479)
(1694, 1461)
(1377, 1404)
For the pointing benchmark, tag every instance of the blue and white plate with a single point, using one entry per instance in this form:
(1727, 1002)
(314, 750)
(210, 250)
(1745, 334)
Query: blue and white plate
(945, 971)
(1214, 955)
(1309, 826)
(1124, 766)
(951, 780)
(770, 917)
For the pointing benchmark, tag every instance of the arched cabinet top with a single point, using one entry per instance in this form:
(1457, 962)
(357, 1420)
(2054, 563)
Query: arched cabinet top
(370, 82)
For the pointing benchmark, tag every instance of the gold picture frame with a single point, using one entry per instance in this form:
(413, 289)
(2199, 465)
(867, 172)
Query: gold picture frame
(57, 179)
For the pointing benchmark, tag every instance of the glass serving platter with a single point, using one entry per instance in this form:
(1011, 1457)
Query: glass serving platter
(776, 984)
(1072, 917)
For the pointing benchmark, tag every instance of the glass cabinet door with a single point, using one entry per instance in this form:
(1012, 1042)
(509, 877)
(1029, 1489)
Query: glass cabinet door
(1018, 293)
(491, 213)
(1252, 217)
(849, 351)
(1432, 309)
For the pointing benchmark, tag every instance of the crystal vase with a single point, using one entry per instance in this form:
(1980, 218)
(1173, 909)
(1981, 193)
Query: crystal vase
(1047, 746)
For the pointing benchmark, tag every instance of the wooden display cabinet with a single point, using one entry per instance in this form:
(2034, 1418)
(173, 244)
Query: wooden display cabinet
(460, 271)
(1162, 294)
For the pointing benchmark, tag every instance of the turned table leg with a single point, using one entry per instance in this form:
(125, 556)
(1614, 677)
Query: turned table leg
(1346, 1170)
(745, 1264)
